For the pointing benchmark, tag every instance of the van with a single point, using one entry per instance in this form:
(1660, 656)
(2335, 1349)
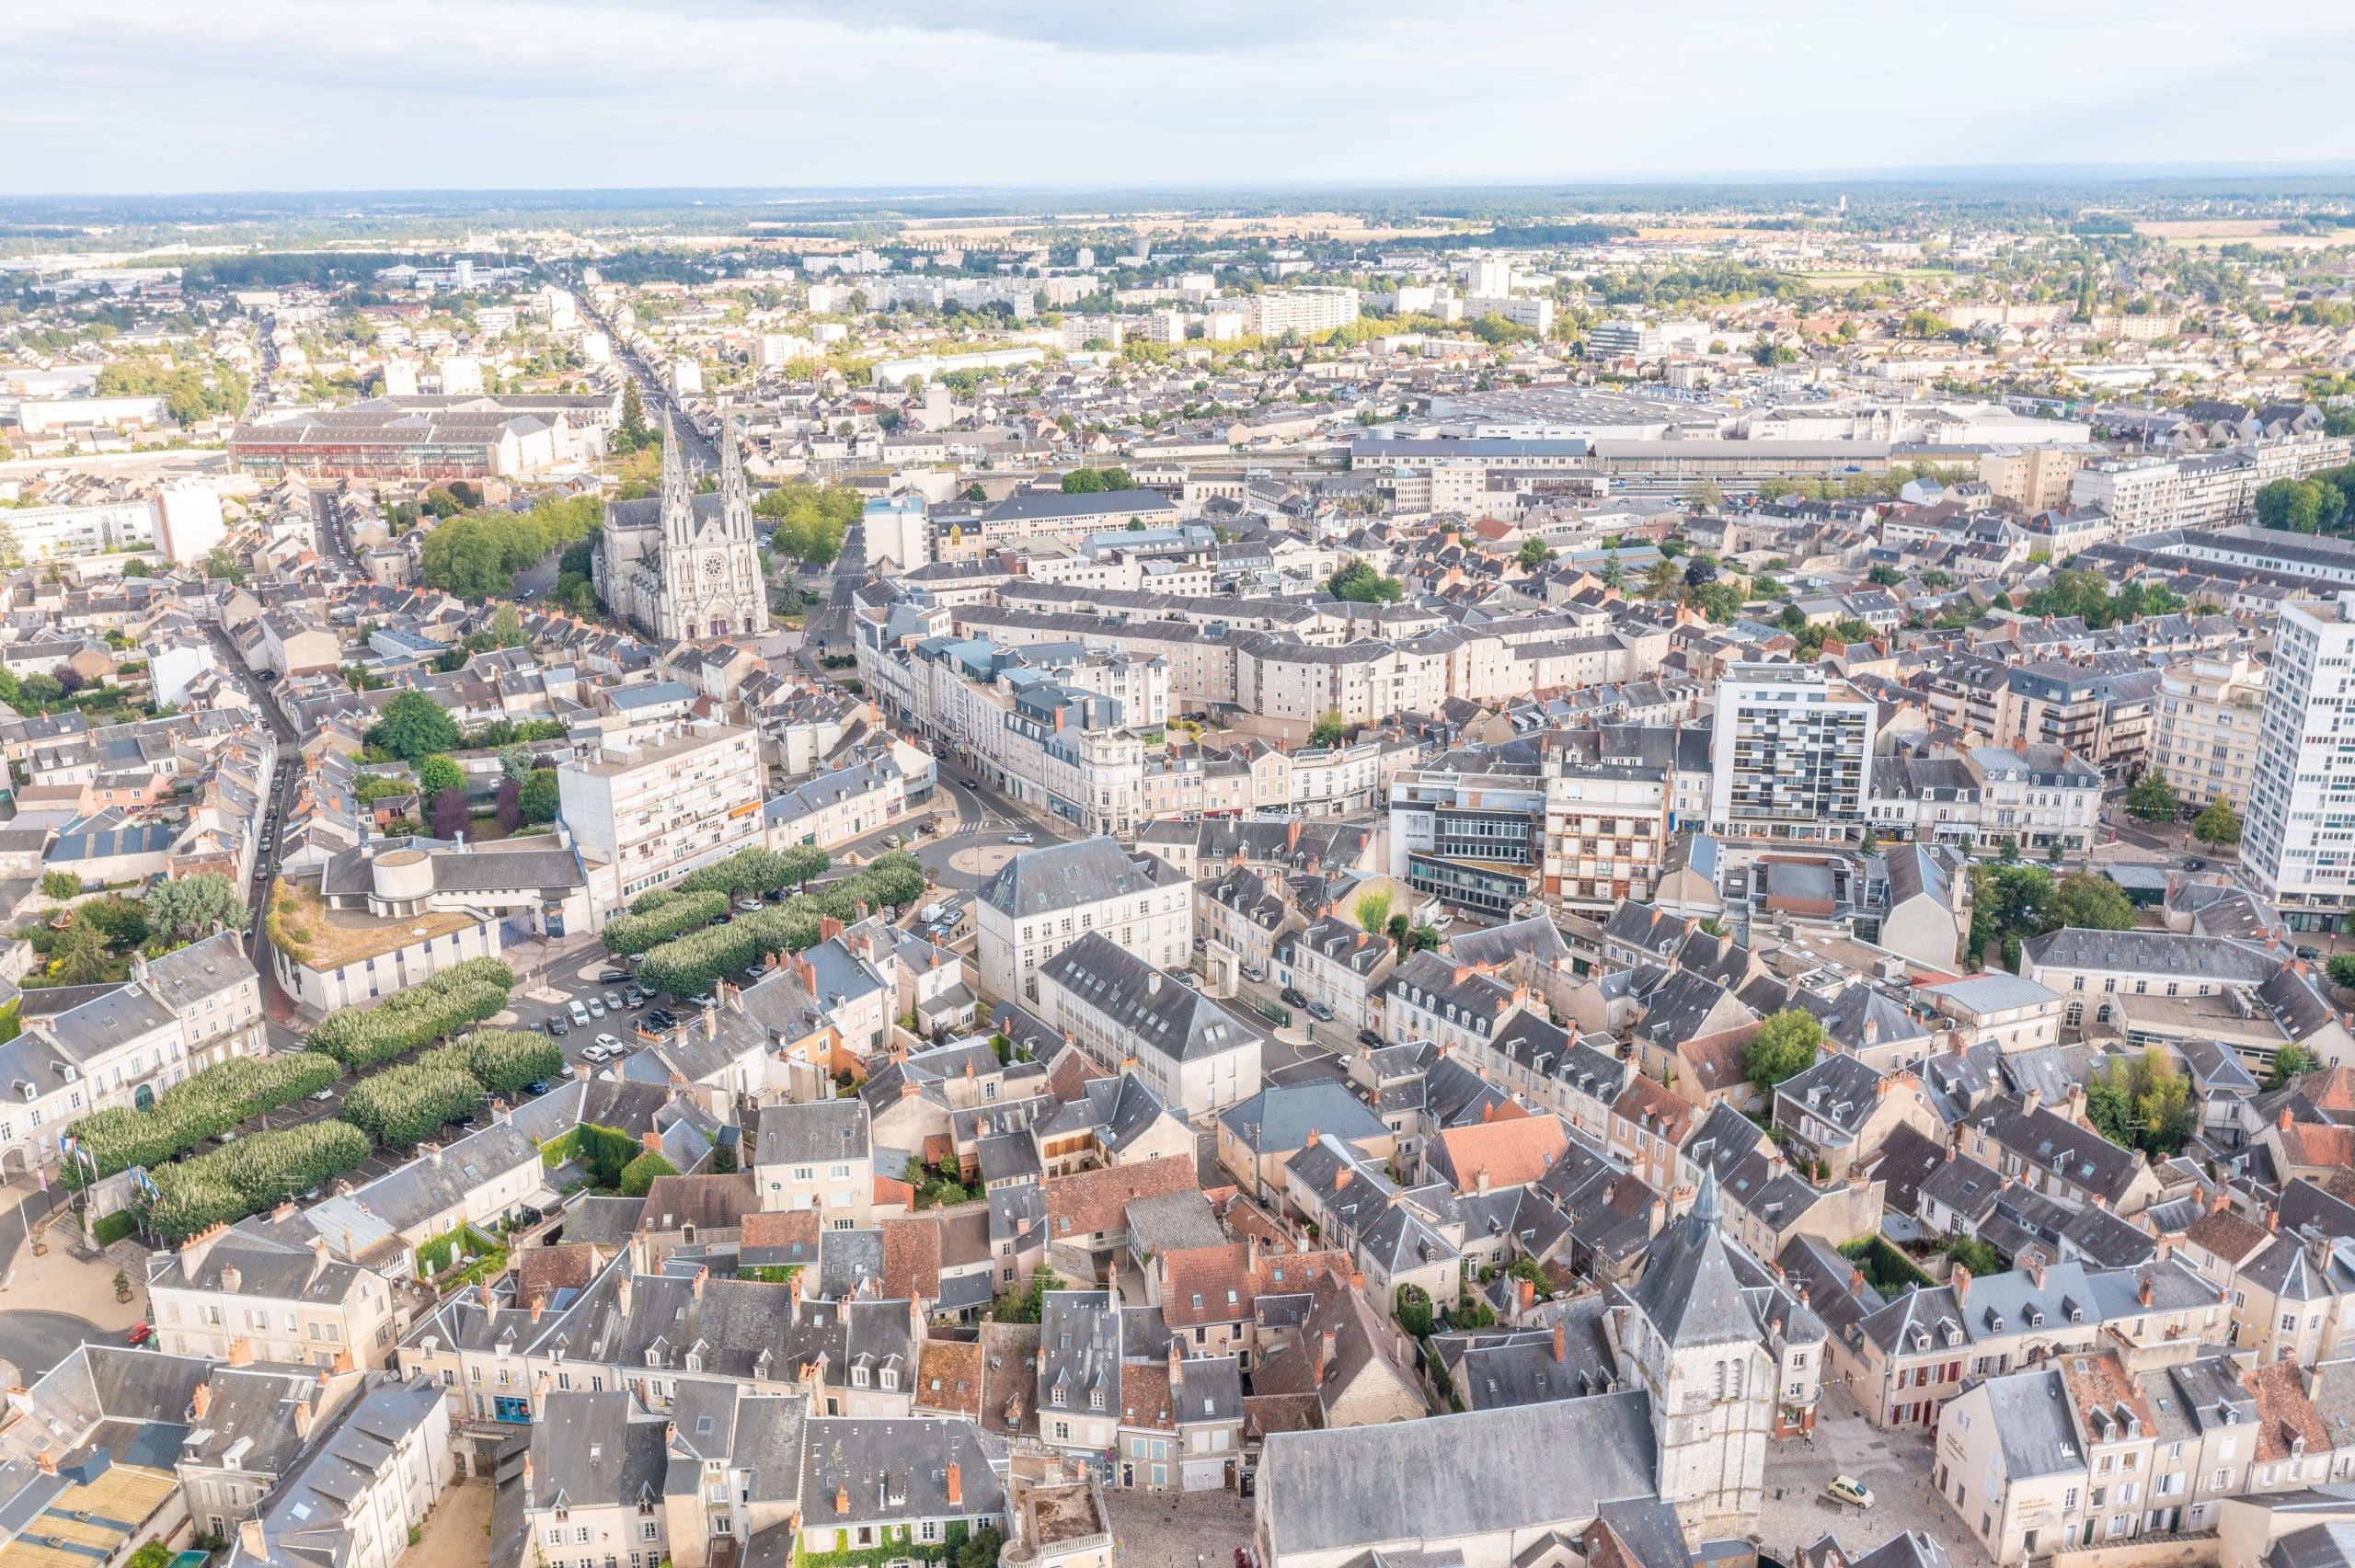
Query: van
(580, 1012)
(931, 913)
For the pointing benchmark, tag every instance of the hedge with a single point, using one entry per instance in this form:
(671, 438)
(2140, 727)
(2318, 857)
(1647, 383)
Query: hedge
(114, 1227)
(443, 1251)
(604, 1150)
(639, 1173)
(689, 966)
(632, 933)
(501, 1060)
(463, 993)
(402, 1106)
(198, 1107)
(256, 1172)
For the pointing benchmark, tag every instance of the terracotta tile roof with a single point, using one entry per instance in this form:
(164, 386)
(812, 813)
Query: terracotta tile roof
(546, 1270)
(949, 1377)
(1200, 1281)
(1068, 1075)
(1245, 1218)
(1144, 1395)
(890, 1191)
(1510, 1151)
(911, 1259)
(2101, 1382)
(1720, 1061)
(2335, 1092)
(780, 1227)
(1263, 1413)
(2225, 1234)
(1642, 1098)
(2318, 1143)
(2283, 1411)
(1089, 1201)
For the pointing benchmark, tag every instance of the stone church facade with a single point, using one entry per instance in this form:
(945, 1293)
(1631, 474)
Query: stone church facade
(683, 566)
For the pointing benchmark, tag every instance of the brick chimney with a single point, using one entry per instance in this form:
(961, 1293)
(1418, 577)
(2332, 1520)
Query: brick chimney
(303, 1418)
(703, 1275)
(1962, 1283)
(201, 1402)
(241, 1352)
(1177, 1363)
(956, 1484)
(1528, 1294)
(1561, 1339)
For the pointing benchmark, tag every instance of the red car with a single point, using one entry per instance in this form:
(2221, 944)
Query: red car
(141, 1333)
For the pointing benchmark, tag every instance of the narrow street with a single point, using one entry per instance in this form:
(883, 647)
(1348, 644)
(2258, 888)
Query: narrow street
(275, 1002)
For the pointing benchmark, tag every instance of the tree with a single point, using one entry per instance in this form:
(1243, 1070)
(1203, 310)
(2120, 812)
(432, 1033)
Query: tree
(122, 920)
(2342, 969)
(1534, 552)
(80, 956)
(2090, 902)
(1704, 495)
(1663, 581)
(1397, 932)
(516, 763)
(981, 1549)
(2218, 825)
(634, 434)
(639, 1173)
(413, 726)
(507, 626)
(189, 907)
(1373, 910)
(1359, 584)
(60, 884)
(2153, 798)
(2300, 506)
(539, 797)
(1024, 1304)
(800, 862)
(220, 564)
(449, 816)
(2289, 1061)
(509, 805)
(1330, 728)
(1784, 1047)
(437, 773)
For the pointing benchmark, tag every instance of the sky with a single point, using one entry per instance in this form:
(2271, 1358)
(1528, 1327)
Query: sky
(161, 95)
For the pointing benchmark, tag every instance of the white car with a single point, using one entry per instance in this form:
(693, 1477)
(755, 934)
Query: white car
(610, 1045)
(596, 1008)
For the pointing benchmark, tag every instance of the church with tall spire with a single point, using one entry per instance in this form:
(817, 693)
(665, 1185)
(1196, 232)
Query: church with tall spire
(1716, 1343)
(684, 566)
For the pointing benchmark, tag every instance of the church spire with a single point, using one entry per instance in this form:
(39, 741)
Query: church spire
(678, 499)
(1705, 1200)
(735, 500)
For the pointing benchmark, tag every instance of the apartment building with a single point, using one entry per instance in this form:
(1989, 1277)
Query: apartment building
(1340, 966)
(1982, 799)
(1041, 737)
(643, 815)
(1365, 681)
(2143, 495)
(1130, 1016)
(1793, 754)
(243, 1293)
(2299, 846)
(1041, 902)
(2204, 728)
(2037, 477)
(818, 1155)
(2092, 1448)
(1303, 311)
(119, 1049)
(1471, 839)
(1610, 810)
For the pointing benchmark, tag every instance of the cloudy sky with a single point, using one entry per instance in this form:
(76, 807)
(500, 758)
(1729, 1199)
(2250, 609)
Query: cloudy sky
(107, 95)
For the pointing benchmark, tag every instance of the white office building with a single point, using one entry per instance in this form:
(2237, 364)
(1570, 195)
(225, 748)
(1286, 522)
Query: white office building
(643, 814)
(2298, 847)
(1791, 755)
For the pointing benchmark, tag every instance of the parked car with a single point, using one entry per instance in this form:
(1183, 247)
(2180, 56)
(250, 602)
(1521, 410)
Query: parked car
(892, 839)
(1254, 971)
(613, 976)
(1022, 838)
(1370, 1040)
(707, 1003)
(1319, 1012)
(537, 1090)
(613, 1002)
(662, 1017)
(634, 997)
(2312, 955)
(579, 1012)
(613, 1046)
(324, 1095)
(1293, 996)
(594, 1053)
(558, 1028)
(750, 906)
(1848, 1489)
(597, 1006)
(141, 1333)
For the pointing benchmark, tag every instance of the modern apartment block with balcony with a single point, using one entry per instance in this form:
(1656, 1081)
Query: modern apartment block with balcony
(1792, 753)
(643, 815)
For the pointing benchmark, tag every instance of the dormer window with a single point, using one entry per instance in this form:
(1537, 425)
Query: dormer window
(859, 1376)
(1055, 1396)
(890, 1379)
(1095, 1399)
